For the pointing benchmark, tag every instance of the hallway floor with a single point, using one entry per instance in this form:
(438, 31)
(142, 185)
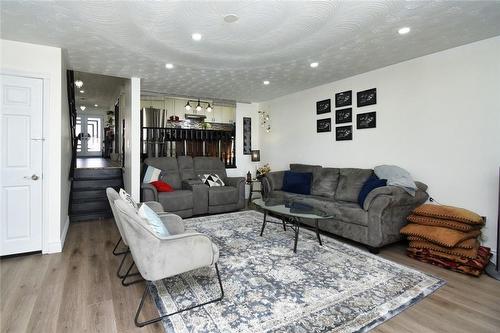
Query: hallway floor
(96, 162)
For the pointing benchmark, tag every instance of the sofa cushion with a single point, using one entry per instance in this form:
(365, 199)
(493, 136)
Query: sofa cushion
(351, 181)
(153, 221)
(170, 171)
(371, 183)
(325, 182)
(207, 165)
(177, 200)
(282, 195)
(211, 180)
(222, 195)
(186, 167)
(344, 211)
(297, 182)
(275, 179)
(161, 186)
(152, 174)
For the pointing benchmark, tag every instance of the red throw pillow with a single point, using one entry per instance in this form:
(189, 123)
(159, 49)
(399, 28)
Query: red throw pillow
(161, 186)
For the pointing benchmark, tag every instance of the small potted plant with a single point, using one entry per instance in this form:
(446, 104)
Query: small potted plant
(263, 170)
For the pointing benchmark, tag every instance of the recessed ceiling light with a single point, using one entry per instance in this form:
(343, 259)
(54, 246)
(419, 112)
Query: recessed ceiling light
(196, 36)
(82, 107)
(79, 83)
(96, 105)
(82, 91)
(404, 30)
(314, 64)
(169, 66)
(231, 18)
(266, 82)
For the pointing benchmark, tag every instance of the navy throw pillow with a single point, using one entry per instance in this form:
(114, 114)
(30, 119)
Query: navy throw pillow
(371, 183)
(297, 182)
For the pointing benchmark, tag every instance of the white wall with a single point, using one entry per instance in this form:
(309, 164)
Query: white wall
(45, 62)
(130, 111)
(244, 162)
(438, 116)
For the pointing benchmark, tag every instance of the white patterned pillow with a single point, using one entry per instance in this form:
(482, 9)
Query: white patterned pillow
(153, 220)
(152, 174)
(128, 198)
(211, 180)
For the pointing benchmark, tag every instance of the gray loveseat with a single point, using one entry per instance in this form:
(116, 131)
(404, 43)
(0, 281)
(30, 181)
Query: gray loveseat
(335, 191)
(190, 196)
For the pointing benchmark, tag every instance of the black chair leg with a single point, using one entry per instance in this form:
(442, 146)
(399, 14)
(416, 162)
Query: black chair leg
(124, 278)
(116, 246)
(154, 320)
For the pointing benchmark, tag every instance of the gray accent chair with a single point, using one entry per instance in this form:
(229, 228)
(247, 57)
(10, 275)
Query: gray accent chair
(158, 257)
(336, 190)
(191, 196)
(155, 206)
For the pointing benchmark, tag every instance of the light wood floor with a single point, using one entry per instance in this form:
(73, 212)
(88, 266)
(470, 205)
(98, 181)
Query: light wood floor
(78, 291)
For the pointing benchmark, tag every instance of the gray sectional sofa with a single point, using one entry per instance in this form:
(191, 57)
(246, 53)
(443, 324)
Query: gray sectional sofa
(190, 196)
(335, 191)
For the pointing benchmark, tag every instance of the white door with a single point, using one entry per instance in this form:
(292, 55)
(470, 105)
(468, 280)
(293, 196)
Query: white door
(21, 102)
(90, 131)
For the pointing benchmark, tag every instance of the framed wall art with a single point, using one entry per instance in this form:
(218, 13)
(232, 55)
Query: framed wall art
(324, 125)
(366, 120)
(343, 116)
(247, 136)
(367, 97)
(323, 106)
(343, 99)
(343, 133)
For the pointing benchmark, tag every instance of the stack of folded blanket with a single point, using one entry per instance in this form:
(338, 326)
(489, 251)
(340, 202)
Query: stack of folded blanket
(448, 237)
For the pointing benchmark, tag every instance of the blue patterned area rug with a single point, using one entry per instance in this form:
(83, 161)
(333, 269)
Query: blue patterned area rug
(268, 288)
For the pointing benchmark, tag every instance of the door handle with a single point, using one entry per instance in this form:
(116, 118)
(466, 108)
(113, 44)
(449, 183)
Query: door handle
(33, 177)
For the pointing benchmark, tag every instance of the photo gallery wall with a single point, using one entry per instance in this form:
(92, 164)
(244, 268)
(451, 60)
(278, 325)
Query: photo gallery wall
(344, 114)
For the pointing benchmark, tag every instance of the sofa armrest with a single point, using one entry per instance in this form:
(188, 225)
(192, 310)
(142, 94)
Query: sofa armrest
(172, 222)
(239, 183)
(200, 195)
(234, 181)
(398, 196)
(272, 181)
(149, 192)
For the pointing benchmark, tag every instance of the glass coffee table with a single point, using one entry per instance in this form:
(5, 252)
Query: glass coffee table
(291, 213)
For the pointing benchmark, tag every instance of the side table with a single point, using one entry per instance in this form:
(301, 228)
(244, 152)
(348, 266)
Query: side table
(252, 189)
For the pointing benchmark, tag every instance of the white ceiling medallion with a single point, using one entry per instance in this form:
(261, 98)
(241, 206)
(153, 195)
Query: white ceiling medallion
(314, 64)
(404, 30)
(79, 83)
(82, 107)
(196, 36)
(266, 82)
(231, 18)
(169, 66)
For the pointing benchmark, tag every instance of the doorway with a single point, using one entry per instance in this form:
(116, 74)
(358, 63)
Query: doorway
(90, 133)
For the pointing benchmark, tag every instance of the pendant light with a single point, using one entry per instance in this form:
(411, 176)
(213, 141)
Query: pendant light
(188, 106)
(82, 107)
(198, 107)
(209, 108)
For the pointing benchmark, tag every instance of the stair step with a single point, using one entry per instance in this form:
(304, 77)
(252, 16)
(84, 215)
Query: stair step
(86, 185)
(97, 173)
(90, 194)
(80, 217)
(89, 206)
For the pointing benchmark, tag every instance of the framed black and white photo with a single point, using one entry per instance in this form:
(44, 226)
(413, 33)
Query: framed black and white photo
(367, 97)
(343, 116)
(323, 106)
(343, 133)
(324, 125)
(343, 99)
(366, 120)
(247, 135)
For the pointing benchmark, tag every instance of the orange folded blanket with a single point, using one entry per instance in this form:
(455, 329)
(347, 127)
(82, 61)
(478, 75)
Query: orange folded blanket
(449, 213)
(454, 251)
(426, 220)
(438, 235)
(466, 244)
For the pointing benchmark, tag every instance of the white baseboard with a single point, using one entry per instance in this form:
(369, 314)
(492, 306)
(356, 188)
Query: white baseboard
(56, 247)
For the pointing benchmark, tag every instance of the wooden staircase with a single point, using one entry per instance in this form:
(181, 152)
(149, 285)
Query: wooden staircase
(88, 199)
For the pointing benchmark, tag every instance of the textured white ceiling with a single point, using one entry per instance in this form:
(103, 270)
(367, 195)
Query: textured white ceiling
(272, 40)
(102, 90)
